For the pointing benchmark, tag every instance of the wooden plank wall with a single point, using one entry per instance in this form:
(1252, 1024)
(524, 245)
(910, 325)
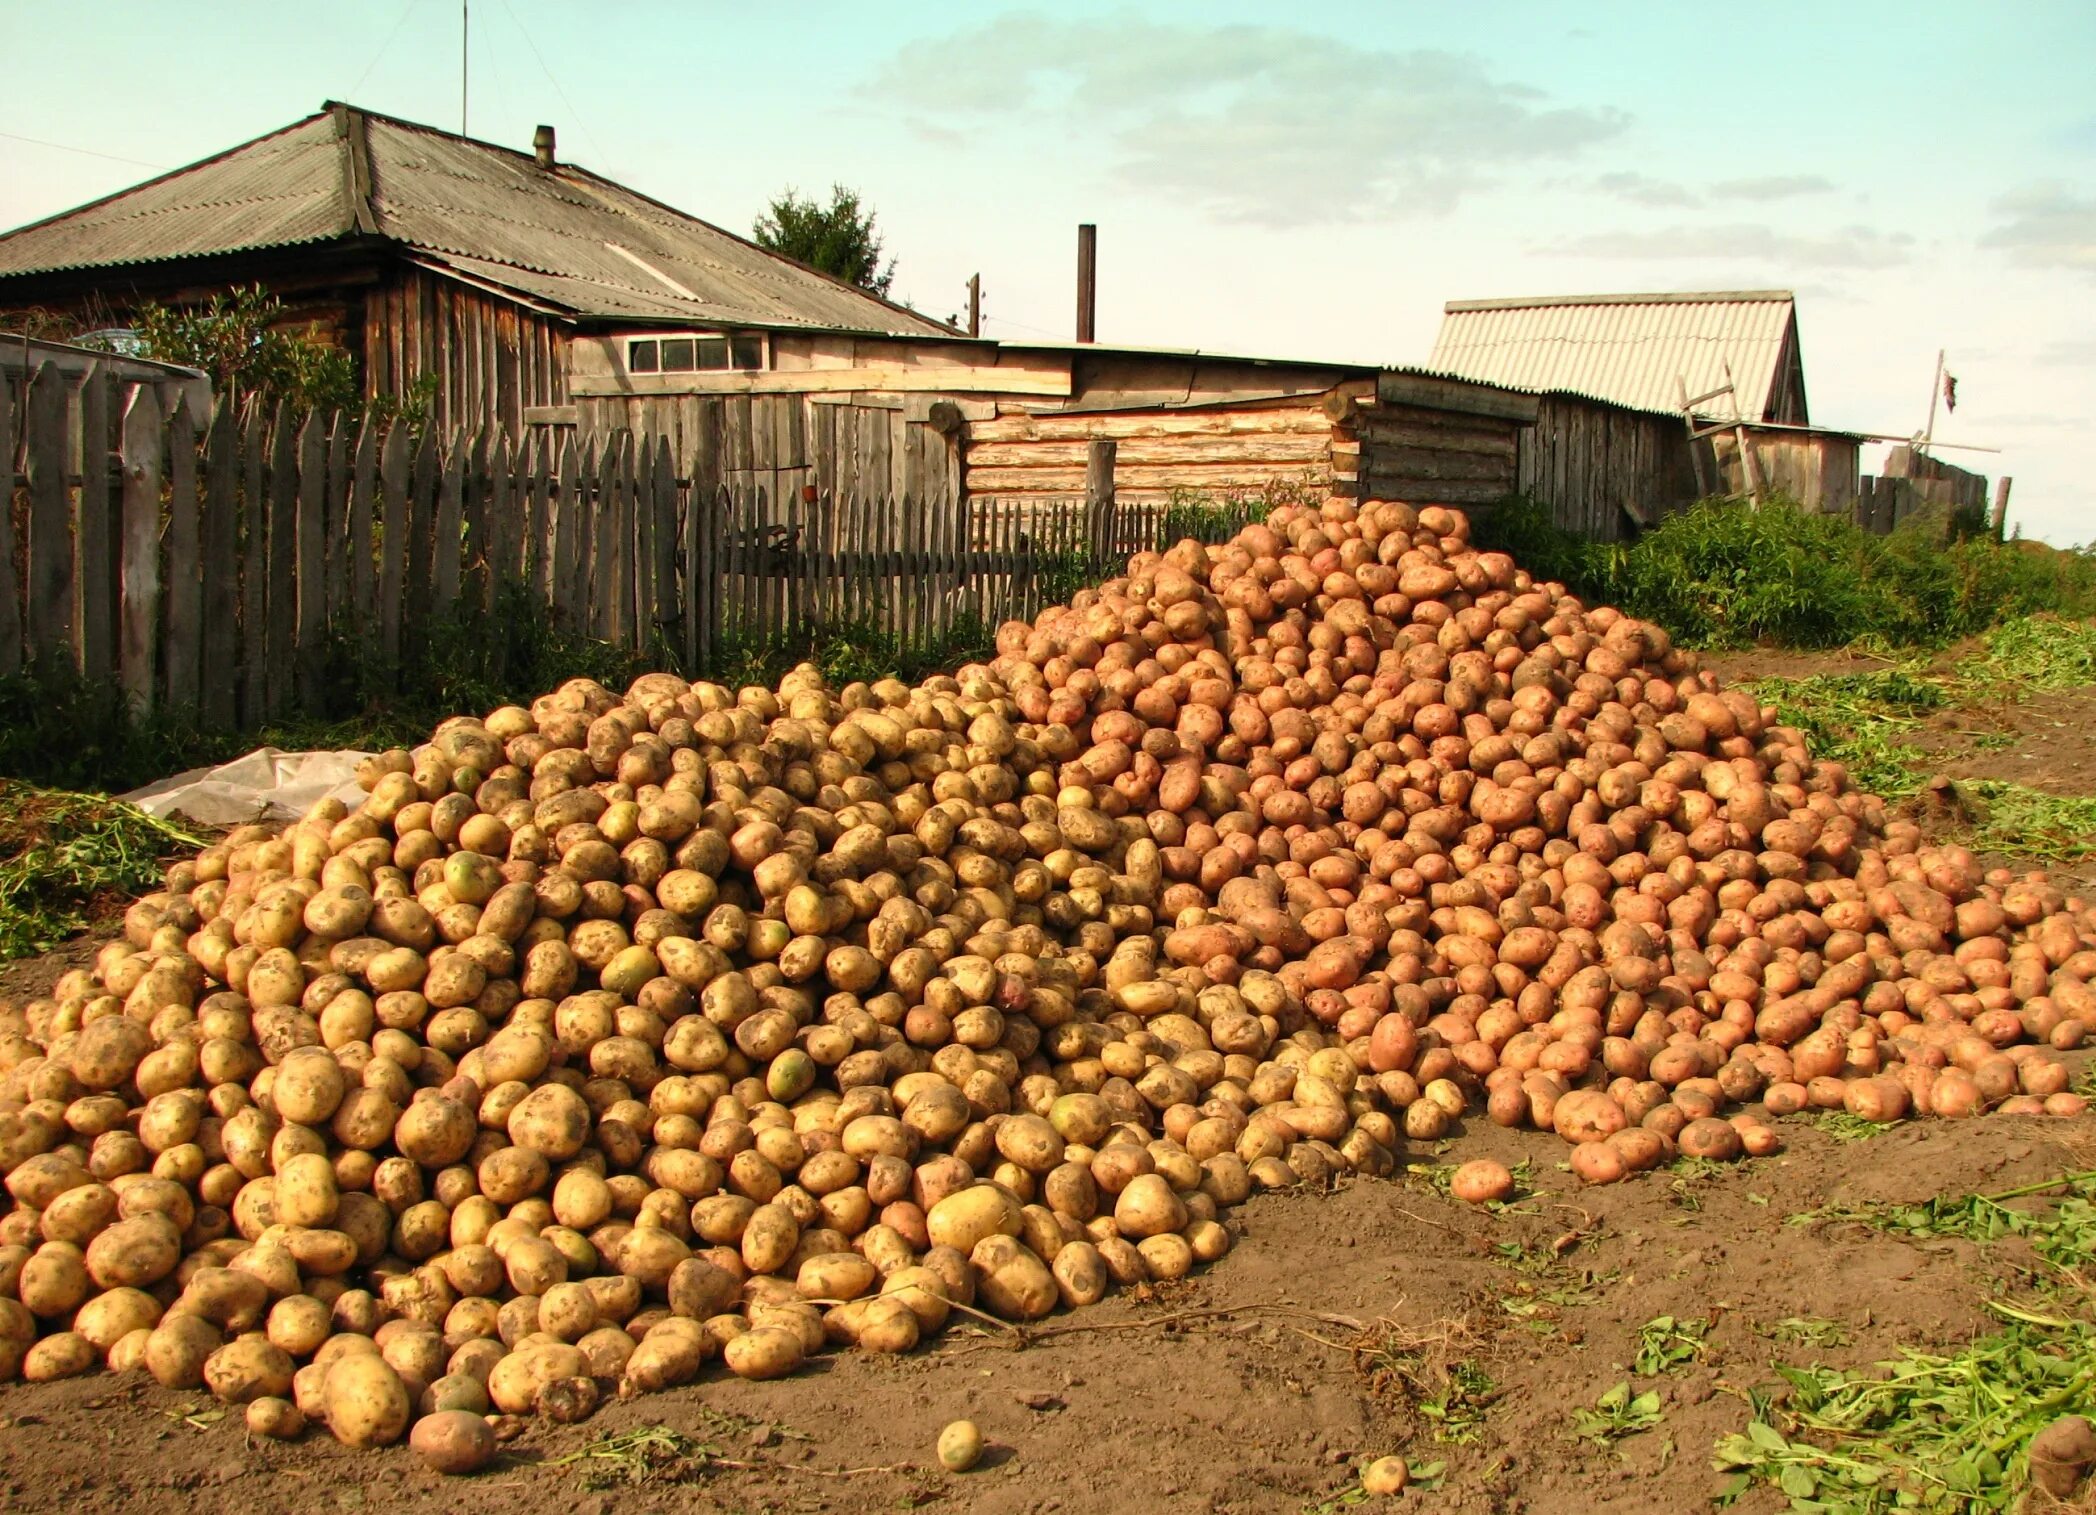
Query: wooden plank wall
(491, 357)
(1818, 471)
(1423, 456)
(1586, 460)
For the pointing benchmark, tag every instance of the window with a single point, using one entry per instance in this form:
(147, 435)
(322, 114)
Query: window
(695, 352)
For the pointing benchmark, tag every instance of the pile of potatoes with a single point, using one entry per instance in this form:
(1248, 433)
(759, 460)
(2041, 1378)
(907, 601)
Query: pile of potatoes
(623, 1034)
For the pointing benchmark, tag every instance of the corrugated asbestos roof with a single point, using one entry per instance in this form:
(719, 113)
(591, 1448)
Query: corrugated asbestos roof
(566, 239)
(1629, 349)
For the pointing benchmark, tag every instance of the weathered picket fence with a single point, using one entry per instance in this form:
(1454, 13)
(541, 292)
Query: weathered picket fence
(220, 562)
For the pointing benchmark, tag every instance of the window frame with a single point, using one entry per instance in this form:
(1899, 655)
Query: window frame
(732, 343)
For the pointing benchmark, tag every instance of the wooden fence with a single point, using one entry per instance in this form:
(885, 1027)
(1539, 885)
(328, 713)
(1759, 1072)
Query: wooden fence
(220, 562)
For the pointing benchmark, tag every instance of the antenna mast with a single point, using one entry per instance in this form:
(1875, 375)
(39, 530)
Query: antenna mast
(465, 37)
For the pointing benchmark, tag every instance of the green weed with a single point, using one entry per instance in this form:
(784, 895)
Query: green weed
(1855, 718)
(1667, 1342)
(63, 856)
(1809, 1331)
(1425, 1477)
(2035, 652)
(1844, 1127)
(1458, 1411)
(1617, 1414)
(2014, 818)
(1944, 1431)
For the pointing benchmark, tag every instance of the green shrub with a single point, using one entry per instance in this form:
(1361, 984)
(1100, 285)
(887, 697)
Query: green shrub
(1724, 574)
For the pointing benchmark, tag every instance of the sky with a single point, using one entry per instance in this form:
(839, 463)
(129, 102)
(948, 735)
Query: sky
(1282, 181)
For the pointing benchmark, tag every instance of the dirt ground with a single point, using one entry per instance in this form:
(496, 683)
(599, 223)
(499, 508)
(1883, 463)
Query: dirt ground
(1330, 1335)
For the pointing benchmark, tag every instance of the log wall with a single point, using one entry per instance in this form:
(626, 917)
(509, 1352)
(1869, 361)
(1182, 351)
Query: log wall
(1256, 448)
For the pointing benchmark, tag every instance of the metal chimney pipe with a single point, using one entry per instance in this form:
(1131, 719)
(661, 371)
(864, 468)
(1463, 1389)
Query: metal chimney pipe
(542, 144)
(1087, 280)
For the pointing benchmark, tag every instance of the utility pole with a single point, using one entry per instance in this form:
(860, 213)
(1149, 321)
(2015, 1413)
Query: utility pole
(1087, 279)
(1935, 393)
(465, 54)
(975, 305)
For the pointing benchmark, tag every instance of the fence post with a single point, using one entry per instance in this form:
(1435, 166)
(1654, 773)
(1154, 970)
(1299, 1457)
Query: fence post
(1099, 498)
(1998, 519)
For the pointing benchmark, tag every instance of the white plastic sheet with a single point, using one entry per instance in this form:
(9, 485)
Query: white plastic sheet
(266, 785)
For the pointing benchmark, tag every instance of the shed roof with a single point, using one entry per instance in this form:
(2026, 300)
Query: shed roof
(565, 238)
(1635, 350)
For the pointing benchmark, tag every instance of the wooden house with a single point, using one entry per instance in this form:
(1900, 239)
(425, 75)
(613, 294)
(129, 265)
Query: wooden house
(421, 252)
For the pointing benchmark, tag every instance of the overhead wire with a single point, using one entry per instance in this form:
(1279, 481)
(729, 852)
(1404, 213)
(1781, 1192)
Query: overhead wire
(398, 22)
(603, 158)
(87, 152)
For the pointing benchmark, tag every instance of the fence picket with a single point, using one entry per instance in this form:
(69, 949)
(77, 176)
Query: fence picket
(94, 531)
(218, 537)
(138, 604)
(253, 446)
(503, 514)
(570, 539)
(473, 504)
(49, 610)
(449, 530)
(667, 620)
(309, 541)
(182, 589)
(280, 611)
(602, 536)
(10, 604)
(419, 546)
(336, 536)
(359, 523)
(642, 595)
(393, 541)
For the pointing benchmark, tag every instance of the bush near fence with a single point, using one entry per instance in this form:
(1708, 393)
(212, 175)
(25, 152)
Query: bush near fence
(1724, 574)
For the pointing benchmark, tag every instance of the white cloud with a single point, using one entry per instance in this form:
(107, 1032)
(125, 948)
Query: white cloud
(1773, 187)
(2046, 225)
(1252, 123)
(1858, 247)
(1642, 189)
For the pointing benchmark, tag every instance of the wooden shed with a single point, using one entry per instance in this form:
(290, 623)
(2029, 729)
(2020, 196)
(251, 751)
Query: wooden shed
(1618, 376)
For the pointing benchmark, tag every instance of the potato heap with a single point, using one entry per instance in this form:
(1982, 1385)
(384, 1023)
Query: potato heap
(616, 1035)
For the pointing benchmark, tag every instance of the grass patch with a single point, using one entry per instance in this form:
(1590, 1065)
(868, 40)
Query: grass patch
(1945, 1431)
(67, 859)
